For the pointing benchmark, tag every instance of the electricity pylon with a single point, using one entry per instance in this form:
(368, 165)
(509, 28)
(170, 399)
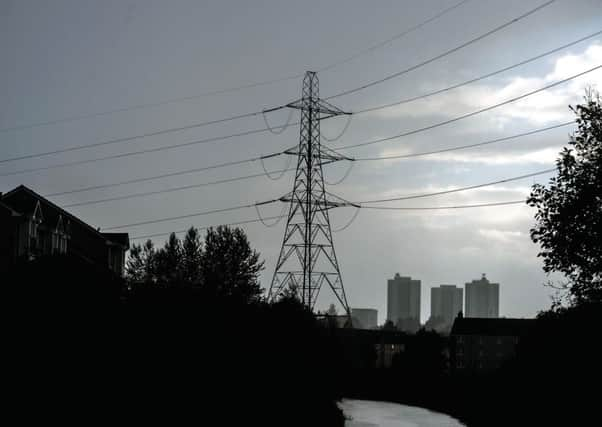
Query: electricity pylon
(307, 259)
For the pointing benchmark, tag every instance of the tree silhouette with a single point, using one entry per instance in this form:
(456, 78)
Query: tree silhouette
(140, 266)
(569, 211)
(229, 267)
(224, 266)
(192, 251)
(169, 262)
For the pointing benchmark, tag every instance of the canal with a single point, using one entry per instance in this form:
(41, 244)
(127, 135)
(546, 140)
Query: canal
(365, 413)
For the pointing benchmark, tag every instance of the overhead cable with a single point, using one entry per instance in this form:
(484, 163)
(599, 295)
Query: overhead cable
(393, 38)
(336, 138)
(476, 79)
(456, 190)
(148, 105)
(153, 177)
(463, 147)
(192, 215)
(279, 129)
(147, 236)
(512, 202)
(235, 88)
(135, 137)
(138, 152)
(170, 190)
(473, 113)
(430, 208)
(441, 55)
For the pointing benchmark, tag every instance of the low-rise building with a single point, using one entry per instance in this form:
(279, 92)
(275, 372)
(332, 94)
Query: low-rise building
(479, 345)
(32, 227)
(364, 318)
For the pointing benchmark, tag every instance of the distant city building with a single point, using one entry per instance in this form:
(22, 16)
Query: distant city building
(364, 318)
(403, 303)
(31, 227)
(482, 299)
(446, 303)
(483, 345)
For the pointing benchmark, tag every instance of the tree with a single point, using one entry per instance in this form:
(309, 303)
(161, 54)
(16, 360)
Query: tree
(148, 255)
(134, 267)
(168, 262)
(140, 266)
(229, 267)
(225, 266)
(192, 251)
(569, 211)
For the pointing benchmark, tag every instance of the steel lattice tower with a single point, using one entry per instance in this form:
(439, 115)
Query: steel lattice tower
(307, 259)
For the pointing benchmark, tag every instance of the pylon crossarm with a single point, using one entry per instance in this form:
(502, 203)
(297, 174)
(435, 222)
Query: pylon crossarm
(320, 107)
(336, 154)
(319, 156)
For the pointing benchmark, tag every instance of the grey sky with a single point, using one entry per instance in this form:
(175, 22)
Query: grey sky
(65, 58)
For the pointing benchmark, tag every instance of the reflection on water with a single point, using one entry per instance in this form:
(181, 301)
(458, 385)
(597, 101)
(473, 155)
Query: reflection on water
(364, 413)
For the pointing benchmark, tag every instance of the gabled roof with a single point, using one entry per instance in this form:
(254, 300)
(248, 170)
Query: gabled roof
(24, 200)
(492, 327)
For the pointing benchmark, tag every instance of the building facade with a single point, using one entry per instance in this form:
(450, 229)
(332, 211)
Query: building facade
(482, 299)
(446, 304)
(32, 227)
(364, 318)
(403, 302)
(484, 345)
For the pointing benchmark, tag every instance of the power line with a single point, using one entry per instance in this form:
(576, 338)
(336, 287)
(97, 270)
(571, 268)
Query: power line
(474, 113)
(155, 221)
(370, 109)
(456, 190)
(463, 147)
(480, 205)
(441, 55)
(235, 88)
(393, 38)
(422, 208)
(146, 236)
(148, 105)
(275, 154)
(179, 188)
(254, 159)
(132, 138)
(134, 153)
(169, 190)
(476, 79)
(153, 177)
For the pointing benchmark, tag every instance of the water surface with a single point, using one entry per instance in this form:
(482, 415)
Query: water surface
(365, 413)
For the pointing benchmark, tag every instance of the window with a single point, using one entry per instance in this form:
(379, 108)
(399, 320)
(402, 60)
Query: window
(33, 229)
(54, 244)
